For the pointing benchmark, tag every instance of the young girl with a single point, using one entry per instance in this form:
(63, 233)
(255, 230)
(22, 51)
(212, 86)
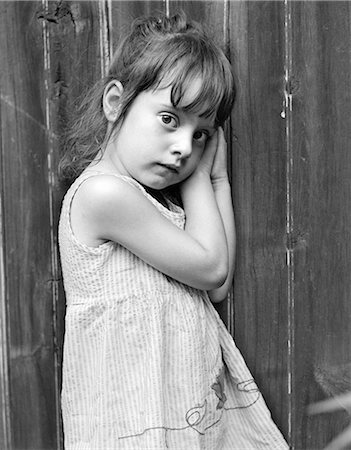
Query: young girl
(147, 241)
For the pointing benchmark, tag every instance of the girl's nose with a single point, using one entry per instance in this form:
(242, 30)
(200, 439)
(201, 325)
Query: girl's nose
(182, 147)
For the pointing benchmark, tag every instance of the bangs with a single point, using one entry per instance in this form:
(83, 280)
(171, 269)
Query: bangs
(215, 85)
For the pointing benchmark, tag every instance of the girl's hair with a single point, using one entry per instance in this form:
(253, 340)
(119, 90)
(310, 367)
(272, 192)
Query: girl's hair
(158, 52)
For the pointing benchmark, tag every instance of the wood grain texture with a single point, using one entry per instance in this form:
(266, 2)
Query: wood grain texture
(4, 375)
(74, 32)
(26, 230)
(290, 165)
(320, 207)
(256, 32)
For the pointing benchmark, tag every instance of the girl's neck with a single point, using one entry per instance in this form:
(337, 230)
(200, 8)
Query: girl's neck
(158, 195)
(171, 193)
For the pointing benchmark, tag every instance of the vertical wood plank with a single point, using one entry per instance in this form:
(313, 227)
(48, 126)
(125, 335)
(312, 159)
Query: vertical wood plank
(256, 31)
(4, 382)
(321, 194)
(26, 230)
(74, 33)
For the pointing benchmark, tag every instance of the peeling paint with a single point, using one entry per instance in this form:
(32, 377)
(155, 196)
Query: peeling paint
(55, 15)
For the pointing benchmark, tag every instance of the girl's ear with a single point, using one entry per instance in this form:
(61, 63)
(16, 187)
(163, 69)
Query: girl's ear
(111, 100)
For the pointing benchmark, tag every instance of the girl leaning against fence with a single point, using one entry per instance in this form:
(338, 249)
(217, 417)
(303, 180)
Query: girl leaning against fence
(147, 242)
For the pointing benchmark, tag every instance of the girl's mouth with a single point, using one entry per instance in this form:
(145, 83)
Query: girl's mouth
(172, 168)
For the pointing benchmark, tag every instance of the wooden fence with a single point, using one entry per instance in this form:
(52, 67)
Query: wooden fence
(289, 135)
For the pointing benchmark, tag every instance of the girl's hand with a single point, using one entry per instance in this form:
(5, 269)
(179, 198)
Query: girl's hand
(207, 160)
(214, 158)
(213, 163)
(219, 166)
(204, 167)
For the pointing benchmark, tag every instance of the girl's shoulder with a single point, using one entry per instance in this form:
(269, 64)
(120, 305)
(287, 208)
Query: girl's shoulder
(114, 208)
(109, 189)
(107, 186)
(97, 180)
(96, 190)
(99, 201)
(100, 194)
(102, 199)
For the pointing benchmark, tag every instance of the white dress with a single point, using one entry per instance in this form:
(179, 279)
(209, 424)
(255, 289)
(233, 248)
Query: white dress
(148, 363)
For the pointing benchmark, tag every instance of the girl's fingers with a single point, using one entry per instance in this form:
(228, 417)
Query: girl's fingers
(210, 152)
(211, 145)
(219, 167)
(221, 138)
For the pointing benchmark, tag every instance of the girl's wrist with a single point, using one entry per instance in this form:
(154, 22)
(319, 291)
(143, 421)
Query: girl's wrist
(195, 178)
(195, 187)
(220, 183)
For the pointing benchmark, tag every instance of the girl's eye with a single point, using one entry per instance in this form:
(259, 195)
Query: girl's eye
(201, 135)
(169, 120)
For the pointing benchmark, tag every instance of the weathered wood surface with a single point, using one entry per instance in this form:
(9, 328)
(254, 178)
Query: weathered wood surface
(259, 191)
(123, 14)
(73, 32)
(320, 213)
(26, 231)
(290, 164)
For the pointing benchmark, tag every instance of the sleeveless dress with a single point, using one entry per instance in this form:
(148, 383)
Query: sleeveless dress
(148, 363)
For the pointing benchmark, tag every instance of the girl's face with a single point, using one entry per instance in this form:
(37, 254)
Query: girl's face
(157, 144)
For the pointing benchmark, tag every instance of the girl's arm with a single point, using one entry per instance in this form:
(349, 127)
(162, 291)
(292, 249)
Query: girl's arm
(107, 208)
(223, 195)
(224, 201)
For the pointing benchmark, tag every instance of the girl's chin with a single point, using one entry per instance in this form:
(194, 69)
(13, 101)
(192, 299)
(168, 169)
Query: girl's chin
(159, 184)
